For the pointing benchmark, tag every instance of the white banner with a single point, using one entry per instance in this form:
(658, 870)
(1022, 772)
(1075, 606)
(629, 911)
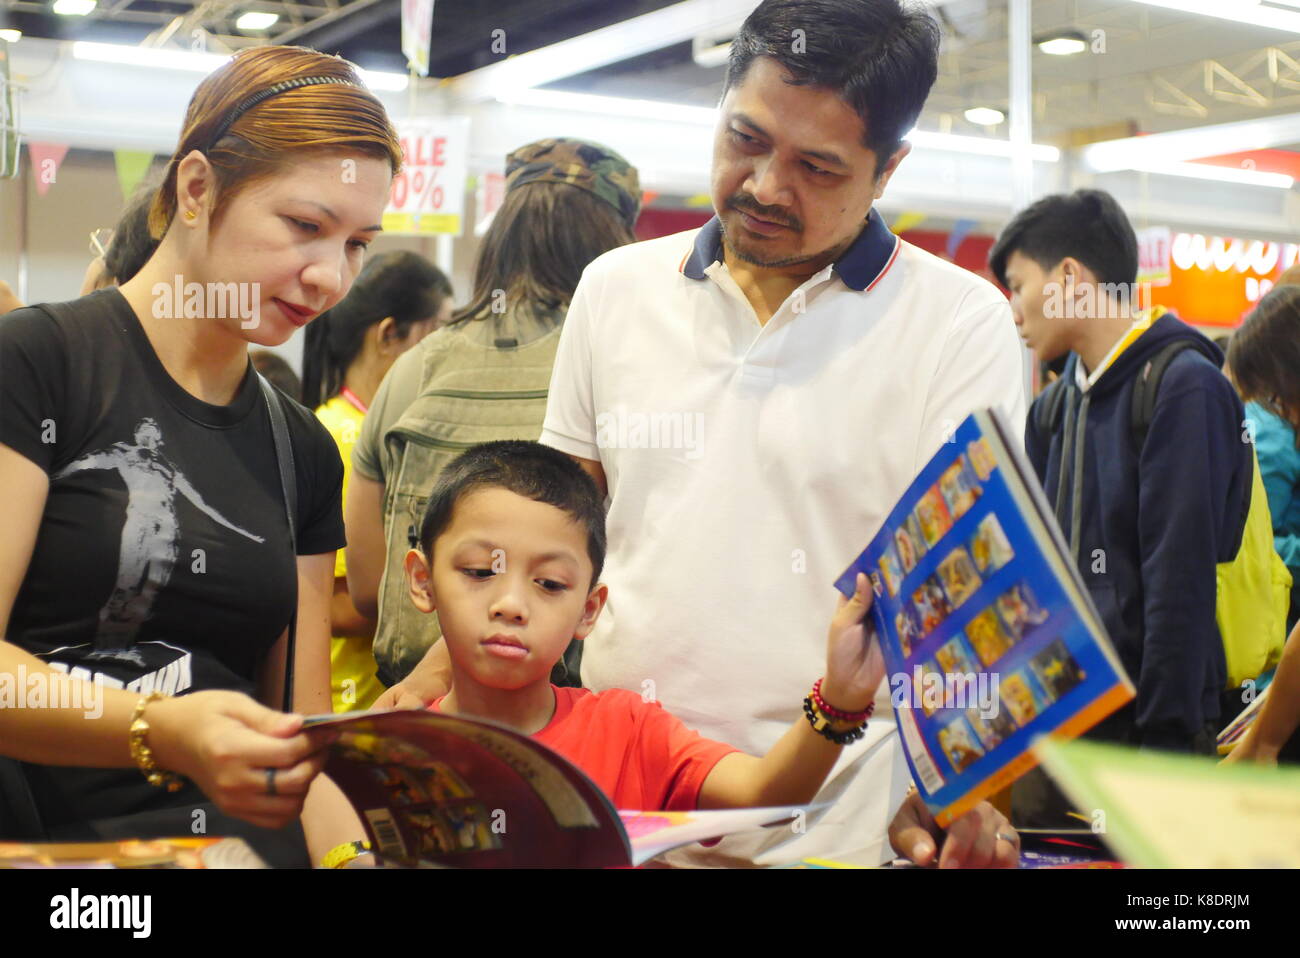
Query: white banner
(417, 33)
(428, 196)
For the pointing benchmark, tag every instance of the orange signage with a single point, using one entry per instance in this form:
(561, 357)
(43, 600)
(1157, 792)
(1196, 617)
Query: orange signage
(1217, 280)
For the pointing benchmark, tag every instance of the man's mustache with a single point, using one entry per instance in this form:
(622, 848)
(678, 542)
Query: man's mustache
(773, 214)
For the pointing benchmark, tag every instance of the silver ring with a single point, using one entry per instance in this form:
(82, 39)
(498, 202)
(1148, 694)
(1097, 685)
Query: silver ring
(1012, 840)
(270, 782)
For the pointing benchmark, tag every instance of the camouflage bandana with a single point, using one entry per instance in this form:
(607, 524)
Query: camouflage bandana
(588, 166)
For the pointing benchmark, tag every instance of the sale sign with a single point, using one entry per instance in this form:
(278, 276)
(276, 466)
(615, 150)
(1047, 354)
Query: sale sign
(1153, 256)
(428, 196)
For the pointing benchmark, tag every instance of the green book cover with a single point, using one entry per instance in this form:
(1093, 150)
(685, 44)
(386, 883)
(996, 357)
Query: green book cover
(1159, 810)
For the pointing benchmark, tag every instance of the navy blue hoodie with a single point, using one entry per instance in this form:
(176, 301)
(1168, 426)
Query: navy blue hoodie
(1149, 526)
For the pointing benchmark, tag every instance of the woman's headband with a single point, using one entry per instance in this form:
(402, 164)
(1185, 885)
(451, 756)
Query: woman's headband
(281, 87)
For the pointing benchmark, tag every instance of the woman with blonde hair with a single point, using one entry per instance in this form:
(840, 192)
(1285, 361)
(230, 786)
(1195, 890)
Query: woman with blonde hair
(149, 550)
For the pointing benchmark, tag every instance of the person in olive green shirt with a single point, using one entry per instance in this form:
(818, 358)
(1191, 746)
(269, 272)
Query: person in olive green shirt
(481, 378)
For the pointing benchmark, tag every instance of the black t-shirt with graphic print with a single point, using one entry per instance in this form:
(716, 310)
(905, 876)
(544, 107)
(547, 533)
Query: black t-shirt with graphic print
(163, 557)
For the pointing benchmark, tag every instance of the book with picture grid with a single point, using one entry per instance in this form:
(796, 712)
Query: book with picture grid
(449, 790)
(989, 636)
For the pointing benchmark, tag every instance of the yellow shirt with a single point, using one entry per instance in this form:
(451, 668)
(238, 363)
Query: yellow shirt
(353, 684)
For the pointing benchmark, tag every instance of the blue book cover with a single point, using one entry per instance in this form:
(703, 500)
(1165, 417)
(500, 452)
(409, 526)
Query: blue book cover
(989, 636)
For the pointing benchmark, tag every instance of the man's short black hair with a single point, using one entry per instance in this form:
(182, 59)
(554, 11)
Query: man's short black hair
(879, 56)
(527, 469)
(1086, 224)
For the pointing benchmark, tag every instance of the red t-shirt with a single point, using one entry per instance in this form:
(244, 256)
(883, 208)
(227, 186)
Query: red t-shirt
(639, 754)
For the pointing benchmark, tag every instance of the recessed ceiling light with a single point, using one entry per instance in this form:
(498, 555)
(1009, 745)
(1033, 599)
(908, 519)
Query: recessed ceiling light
(1063, 46)
(256, 20)
(985, 116)
(73, 8)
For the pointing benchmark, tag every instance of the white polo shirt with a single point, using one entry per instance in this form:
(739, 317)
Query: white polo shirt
(749, 464)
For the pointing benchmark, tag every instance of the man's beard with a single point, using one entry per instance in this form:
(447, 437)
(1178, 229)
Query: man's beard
(738, 205)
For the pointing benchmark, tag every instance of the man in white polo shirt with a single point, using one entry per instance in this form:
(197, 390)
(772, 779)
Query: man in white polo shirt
(756, 394)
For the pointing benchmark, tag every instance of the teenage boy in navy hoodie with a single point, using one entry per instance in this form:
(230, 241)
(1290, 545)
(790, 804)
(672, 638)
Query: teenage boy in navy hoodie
(1147, 519)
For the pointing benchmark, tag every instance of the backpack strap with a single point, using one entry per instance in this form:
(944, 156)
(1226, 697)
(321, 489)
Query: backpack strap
(289, 492)
(1047, 410)
(1143, 409)
(1145, 388)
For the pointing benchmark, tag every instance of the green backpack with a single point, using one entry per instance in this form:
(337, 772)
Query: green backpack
(469, 393)
(1254, 587)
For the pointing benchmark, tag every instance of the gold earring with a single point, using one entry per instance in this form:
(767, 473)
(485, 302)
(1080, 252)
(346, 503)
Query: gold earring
(191, 215)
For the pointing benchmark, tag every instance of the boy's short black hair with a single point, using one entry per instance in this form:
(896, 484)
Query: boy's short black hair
(1086, 224)
(881, 57)
(527, 469)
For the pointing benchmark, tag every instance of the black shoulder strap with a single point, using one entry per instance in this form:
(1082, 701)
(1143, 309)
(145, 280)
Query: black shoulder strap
(1047, 409)
(289, 490)
(1143, 408)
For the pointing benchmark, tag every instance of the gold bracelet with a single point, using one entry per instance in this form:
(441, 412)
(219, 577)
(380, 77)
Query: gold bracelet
(142, 754)
(340, 855)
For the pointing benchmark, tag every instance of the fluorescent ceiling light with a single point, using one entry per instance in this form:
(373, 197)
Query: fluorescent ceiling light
(391, 82)
(1063, 46)
(660, 28)
(708, 54)
(73, 8)
(13, 36)
(613, 105)
(980, 145)
(192, 60)
(199, 62)
(256, 20)
(1238, 11)
(1221, 174)
(985, 116)
(1193, 143)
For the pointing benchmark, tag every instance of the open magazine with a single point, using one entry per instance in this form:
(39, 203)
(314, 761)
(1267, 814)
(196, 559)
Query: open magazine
(989, 635)
(1164, 810)
(1236, 730)
(435, 789)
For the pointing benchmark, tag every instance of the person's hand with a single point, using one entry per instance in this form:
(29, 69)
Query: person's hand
(1249, 750)
(982, 838)
(855, 666)
(226, 742)
(399, 697)
(8, 301)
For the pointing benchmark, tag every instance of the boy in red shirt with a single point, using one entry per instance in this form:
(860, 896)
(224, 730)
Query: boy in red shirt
(510, 554)
(511, 549)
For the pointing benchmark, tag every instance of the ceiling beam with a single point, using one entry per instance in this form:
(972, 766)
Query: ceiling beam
(337, 26)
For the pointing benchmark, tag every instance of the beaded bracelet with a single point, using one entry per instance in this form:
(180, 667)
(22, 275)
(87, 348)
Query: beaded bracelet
(821, 724)
(837, 714)
(142, 754)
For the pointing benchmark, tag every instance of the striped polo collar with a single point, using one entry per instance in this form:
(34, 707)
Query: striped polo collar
(860, 266)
